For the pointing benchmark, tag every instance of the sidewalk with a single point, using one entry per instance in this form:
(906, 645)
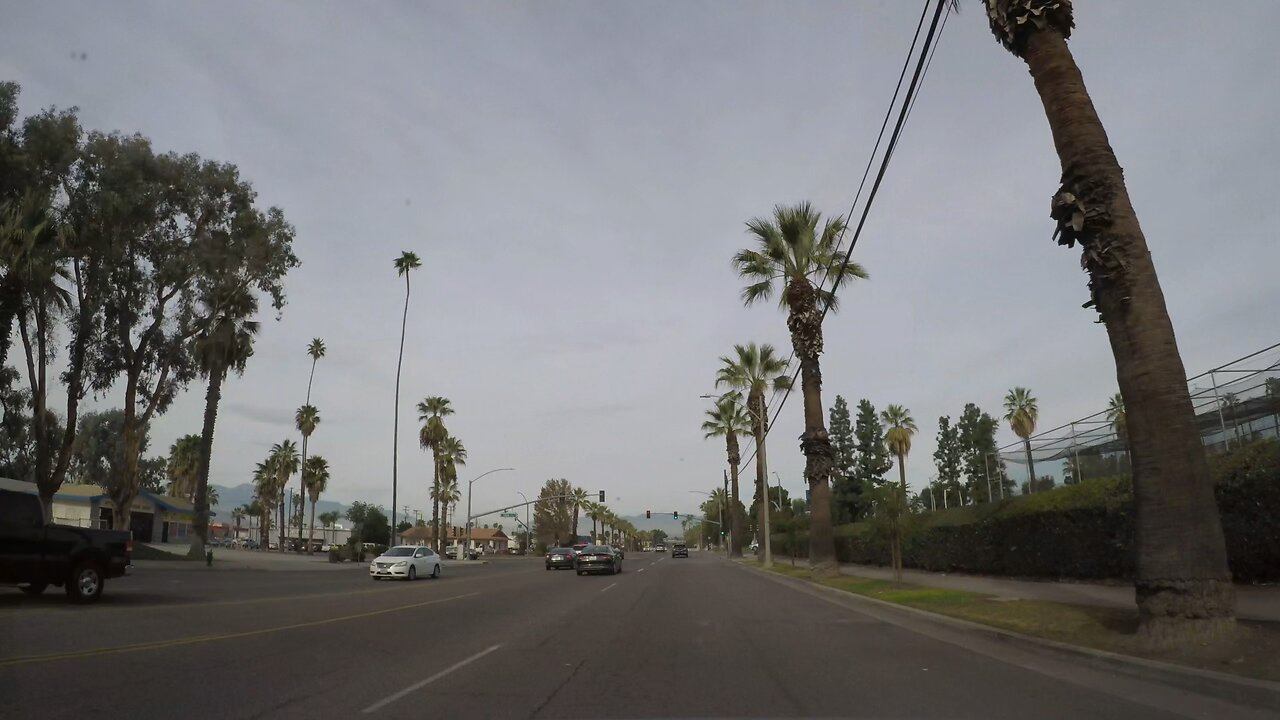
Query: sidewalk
(1253, 602)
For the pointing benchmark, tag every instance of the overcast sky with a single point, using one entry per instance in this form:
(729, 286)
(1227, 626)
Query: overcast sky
(576, 175)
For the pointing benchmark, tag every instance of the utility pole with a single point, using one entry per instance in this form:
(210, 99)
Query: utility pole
(730, 530)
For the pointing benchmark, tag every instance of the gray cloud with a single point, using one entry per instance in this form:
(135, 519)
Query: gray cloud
(578, 175)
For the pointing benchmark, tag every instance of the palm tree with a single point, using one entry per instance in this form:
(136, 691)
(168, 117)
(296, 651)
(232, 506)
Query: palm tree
(1183, 584)
(238, 514)
(1230, 404)
(212, 498)
(579, 499)
(265, 495)
(1115, 416)
(327, 519)
(431, 413)
(306, 419)
(755, 369)
(803, 264)
(183, 466)
(1272, 385)
(316, 350)
(1021, 411)
(448, 494)
(406, 262)
(899, 428)
(719, 502)
(284, 462)
(729, 420)
(315, 479)
(452, 454)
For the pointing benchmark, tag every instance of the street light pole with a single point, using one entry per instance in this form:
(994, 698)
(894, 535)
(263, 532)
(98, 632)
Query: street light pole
(471, 482)
(528, 531)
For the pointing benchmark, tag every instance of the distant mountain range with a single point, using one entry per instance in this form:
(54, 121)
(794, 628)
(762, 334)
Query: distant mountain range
(230, 498)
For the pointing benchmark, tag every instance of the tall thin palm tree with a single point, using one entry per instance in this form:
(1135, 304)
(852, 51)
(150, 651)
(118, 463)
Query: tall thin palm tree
(225, 345)
(306, 419)
(431, 413)
(238, 514)
(1022, 412)
(406, 262)
(1183, 585)
(284, 462)
(452, 454)
(315, 478)
(183, 466)
(1115, 416)
(756, 369)
(579, 499)
(899, 428)
(720, 500)
(729, 420)
(798, 256)
(448, 495)
(316, 350)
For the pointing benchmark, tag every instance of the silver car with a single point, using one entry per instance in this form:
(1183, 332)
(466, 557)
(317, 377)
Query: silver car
(406, 562)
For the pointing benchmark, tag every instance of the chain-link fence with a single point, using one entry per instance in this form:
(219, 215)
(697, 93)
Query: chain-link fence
(1235, 403)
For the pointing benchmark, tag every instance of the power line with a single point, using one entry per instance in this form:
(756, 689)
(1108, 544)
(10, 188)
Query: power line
(917, 76)
(866, 172)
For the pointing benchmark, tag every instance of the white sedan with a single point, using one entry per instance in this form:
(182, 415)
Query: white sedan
(408, 562)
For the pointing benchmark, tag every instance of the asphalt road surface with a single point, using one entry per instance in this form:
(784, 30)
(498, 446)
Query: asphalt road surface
(667, 638)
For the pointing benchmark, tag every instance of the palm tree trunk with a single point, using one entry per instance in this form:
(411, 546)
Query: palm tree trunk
(902, 473)
(435, 501)
(1031, 466)
(200, 522)
(805, 322)
(736, 520)
(395, 423)
(311, 531)
(302, 480)
(1183, 584)
(762, 492)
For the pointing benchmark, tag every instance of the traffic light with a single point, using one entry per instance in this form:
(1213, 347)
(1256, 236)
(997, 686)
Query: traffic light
(647, 515)
(601, 496)
(675, 514)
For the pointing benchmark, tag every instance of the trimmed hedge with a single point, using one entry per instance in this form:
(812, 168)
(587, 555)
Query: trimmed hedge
(1080, 531)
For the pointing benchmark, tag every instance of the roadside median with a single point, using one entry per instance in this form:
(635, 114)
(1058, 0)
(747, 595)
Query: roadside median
(1254, 653)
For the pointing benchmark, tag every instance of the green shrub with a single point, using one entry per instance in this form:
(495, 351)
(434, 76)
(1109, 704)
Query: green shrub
(1082, 531)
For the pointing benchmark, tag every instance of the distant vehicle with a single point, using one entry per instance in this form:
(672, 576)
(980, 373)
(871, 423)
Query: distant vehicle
(660, 547)
(679, 550)
(560, 558)
(406, 562)
(621, 555)
(598, 558)
(578, 548)
(35, 555)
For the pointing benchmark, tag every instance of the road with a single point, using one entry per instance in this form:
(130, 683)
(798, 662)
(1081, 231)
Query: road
(667, 638)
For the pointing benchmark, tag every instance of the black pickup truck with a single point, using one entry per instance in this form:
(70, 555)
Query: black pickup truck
(35, 555)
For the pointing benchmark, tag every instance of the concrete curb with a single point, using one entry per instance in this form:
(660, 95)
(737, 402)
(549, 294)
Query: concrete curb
(1258, 694)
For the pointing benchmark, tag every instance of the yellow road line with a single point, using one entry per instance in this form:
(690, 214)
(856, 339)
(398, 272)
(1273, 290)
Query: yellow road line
(194, 639)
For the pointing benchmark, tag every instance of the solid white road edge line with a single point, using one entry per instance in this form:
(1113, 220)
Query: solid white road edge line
(423, 683)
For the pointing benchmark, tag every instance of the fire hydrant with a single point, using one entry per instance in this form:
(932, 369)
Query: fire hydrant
(208, 557)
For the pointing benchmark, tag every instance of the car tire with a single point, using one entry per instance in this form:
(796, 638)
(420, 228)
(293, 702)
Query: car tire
(85, 584)
(34, 589)
(548, 567)
(435, 572)
(580, 573)
(413, 573)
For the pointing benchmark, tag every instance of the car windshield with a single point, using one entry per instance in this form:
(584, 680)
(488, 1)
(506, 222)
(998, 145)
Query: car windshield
(597, 549)
(399, 552)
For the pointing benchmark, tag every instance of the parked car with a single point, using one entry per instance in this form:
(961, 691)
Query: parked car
(407, 562)
(679, 550)
(35, 555)
(598, 558)
(560, 558)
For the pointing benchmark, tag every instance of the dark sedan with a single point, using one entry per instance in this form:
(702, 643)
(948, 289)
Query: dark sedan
(560, 557)
(599, 558)
(680, 550)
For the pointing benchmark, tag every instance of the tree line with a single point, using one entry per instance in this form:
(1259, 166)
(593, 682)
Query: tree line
(121, 268)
